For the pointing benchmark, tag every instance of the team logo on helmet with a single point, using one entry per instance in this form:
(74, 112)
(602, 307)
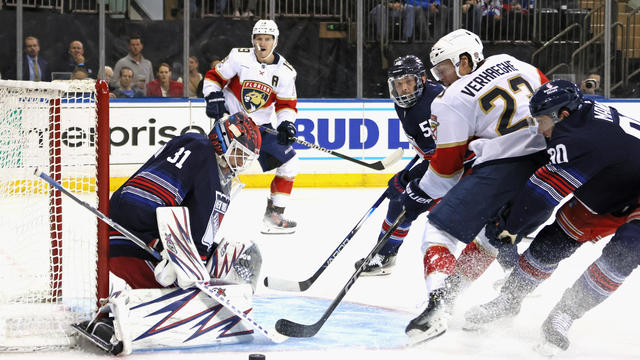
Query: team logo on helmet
(255, 95)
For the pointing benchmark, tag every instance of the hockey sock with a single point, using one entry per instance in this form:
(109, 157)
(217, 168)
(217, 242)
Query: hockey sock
(396, 238)
(280, 190)
(439, 259)
(474, 261)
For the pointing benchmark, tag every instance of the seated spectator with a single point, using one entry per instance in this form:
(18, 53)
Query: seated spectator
(126, 81)
(492, 9)
(75, 58)
(140, 83)
(194, 76)
(108, 75)
(472, 16)
(163, 86)
(79, 73)
(431, 17)
(397, 10)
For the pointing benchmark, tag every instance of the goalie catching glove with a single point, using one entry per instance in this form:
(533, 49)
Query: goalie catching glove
(415, 201)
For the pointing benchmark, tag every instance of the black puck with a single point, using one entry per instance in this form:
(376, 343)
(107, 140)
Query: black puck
(256, 357)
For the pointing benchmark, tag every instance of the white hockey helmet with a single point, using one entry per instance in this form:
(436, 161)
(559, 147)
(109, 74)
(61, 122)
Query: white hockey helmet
(267, 27)
(454, 44)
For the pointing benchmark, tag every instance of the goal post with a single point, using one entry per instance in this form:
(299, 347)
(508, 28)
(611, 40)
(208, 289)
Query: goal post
(53, 253)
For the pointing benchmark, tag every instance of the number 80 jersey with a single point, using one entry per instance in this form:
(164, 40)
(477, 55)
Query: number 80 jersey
(484, 112)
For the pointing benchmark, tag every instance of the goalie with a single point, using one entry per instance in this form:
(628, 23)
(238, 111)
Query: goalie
(188, 185)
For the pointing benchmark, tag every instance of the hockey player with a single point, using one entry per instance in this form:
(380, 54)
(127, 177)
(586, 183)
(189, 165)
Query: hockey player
(484, 109)
(412, 94)
(261, 83)
(195, 172)
(591, 170)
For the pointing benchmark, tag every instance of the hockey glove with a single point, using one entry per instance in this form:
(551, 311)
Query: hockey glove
(397, 184)
(215, 105)
(495, 228)
(286, 133)
(415, 201)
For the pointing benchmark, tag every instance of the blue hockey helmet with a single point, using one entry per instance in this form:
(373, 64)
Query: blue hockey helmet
(555, 96)
(405, 80)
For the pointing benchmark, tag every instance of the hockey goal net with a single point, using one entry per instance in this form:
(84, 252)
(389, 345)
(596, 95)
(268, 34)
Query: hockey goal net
(52, 258)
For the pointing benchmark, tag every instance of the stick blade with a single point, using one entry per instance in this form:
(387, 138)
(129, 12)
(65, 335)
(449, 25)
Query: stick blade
(284, 285)
(291, 329)
(393, 158)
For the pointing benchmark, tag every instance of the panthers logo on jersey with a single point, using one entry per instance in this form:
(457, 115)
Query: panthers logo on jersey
(255, 95)
(433, 124)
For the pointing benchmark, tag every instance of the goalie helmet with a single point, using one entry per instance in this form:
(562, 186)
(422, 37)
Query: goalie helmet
(406, 71)
(454, 44)
(237, 139)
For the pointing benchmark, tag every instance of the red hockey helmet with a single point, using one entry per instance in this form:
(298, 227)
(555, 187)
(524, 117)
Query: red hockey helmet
(237, 139)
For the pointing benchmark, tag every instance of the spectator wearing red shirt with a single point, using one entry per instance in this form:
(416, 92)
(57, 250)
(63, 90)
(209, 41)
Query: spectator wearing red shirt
(163, 86)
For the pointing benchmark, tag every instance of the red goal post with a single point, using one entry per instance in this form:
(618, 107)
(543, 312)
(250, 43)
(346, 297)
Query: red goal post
(53, 258)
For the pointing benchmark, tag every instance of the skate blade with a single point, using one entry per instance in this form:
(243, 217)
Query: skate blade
(547, 349)
(381, 272)
(98, 342)
(417, 337)
(270, 230)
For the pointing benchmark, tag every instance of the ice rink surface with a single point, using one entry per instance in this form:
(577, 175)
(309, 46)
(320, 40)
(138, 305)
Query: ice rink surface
(325, 217)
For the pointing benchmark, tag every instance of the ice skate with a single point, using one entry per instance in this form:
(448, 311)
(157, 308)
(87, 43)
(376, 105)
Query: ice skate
(503, 306)
(555, 333)
(274, 221)
(101, 333)
(432, 322)
(378, 265)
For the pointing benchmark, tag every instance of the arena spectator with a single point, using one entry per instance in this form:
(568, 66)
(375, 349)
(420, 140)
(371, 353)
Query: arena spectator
(79, 73)
(34, 67)
(126, 90)
(194, 76)
(75, 58)
(396, 11)
(135, 61)
(163, 86)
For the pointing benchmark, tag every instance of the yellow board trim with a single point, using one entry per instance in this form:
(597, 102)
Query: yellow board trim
(302, 180)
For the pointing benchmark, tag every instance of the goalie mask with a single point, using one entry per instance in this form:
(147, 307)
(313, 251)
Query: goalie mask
(237, 139)
(266, 27)
(406, 80)
(452, 46)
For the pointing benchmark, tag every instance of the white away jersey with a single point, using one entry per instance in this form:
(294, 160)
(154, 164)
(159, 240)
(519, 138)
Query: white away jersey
(258, 89)
(486, 112)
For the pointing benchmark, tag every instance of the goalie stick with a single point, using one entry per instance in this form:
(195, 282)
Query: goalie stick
(378, 165)
(288, 285)
(293, 329)
(204, 286)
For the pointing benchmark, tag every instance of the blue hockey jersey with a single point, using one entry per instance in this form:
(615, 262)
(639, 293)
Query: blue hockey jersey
(594, 154)
(184, 172)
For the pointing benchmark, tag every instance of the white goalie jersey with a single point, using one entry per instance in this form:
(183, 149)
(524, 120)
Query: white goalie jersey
(260, 90)
(485, 112)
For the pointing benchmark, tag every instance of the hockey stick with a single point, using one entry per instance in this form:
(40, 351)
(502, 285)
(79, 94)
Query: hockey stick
(204, 286)
(378, 165)
(293, 329)
(288, 285)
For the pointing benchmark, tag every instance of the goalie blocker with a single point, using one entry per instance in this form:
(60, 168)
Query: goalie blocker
(182, 316)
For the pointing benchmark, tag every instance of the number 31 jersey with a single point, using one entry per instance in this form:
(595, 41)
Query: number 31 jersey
(255, 88)
(484, 112)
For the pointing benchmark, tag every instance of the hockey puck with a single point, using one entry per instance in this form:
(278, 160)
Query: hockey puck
(256, 357)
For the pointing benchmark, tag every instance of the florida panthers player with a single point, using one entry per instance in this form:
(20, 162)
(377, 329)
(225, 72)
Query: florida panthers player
(484, 109)
(195, 172)
(261, 83)
(606, 188)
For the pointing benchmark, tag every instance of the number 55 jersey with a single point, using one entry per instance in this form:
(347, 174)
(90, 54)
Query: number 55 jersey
(485, 112)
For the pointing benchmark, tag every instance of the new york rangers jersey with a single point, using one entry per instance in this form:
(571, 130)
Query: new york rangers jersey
(594, 155)
(415, 120)
(184, 172)
(484, 112)
(258, 89)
